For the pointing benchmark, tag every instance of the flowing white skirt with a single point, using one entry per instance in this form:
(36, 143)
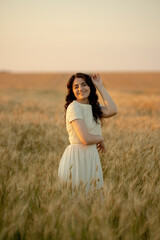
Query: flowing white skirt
(81, 163)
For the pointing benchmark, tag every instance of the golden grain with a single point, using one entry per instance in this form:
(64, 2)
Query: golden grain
(35, 205)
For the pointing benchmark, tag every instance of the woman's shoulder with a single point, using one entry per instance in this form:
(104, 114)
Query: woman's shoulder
(76, 106)
(74, 111)
(73, 104)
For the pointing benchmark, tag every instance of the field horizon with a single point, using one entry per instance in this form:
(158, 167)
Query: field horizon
(113, 80)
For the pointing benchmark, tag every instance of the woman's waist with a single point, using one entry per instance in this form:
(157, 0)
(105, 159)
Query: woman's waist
(76, 140)
(81, 145)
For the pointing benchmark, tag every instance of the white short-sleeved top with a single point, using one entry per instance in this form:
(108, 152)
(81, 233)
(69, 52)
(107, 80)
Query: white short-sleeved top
(77, 110)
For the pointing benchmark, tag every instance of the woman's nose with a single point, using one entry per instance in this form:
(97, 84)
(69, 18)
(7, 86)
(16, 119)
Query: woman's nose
(80, 87)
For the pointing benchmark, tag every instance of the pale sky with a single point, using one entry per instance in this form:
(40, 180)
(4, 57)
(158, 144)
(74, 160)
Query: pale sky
(79, 35)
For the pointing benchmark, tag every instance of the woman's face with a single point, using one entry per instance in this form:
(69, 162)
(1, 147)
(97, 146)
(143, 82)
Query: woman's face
(80, 89)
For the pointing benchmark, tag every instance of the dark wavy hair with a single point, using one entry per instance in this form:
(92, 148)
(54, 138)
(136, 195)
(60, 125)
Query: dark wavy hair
(93, 97)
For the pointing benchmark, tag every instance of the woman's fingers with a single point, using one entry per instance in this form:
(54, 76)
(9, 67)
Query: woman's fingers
(101, 147)
(94, 76)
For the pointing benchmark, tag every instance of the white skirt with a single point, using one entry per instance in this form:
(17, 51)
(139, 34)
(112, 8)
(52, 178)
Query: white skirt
(81, 164)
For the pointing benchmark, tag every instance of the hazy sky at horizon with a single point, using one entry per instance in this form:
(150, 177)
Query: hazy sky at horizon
(84, 35)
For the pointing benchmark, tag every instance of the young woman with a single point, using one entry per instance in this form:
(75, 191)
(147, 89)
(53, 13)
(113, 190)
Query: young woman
(80, 160)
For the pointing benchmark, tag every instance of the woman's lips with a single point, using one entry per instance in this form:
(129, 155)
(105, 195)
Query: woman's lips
(82, 93)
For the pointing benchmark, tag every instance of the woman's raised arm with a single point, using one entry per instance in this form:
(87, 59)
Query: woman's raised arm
(109, 109)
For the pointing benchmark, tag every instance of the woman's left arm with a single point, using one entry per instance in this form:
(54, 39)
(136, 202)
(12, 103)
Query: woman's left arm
(110, 107)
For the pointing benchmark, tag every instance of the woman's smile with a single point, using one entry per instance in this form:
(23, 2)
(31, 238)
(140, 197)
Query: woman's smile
(82, 93)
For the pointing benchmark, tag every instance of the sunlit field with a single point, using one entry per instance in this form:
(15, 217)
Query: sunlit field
(33, 138)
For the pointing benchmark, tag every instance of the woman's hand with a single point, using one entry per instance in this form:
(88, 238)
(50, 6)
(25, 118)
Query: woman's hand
(101, 147)
(96, 79)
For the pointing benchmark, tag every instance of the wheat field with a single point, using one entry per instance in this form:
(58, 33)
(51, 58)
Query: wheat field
(33, 138)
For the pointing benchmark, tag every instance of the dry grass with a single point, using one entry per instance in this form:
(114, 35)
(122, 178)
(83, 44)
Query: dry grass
(32, 140)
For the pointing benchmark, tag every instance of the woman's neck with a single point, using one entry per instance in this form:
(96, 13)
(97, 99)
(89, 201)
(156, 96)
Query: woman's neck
(83, 101)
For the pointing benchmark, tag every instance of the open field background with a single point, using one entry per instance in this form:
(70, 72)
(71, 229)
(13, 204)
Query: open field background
(33, 138)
